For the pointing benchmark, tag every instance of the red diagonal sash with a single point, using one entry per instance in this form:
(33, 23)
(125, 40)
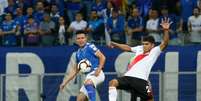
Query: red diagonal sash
(136, 59)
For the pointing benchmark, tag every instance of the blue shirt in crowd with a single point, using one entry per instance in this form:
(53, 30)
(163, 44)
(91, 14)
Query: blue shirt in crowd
(118, 27)
(136, 23)
(8, 26)
(94, 24)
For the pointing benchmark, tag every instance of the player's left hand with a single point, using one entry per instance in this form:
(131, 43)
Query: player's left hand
(97, 72)
(166, 23)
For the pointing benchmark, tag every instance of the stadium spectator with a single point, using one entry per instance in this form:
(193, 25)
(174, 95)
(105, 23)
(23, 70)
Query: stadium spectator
(39, 11)
(95, 76)
(143, 6)
(60, 5)
(73, 6)
(30, 13)
(11, 7)
(135, 28)
(61, 28)
(135, 79)
(95, 27)
(152, 26)
(8, 31)
(54, 14)
(46, 4)
(19, 19)
(21, 4)
(99, 6)
(194, 25)
(31, 32)
(47, 31)
(78, 24)
(108, 10)
(116, 27)
(130, 9)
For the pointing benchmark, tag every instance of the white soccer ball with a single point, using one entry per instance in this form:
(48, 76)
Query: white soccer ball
(84, 66)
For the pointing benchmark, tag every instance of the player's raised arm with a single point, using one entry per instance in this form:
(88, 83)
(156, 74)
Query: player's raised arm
(123, 47)
(165, 25)
(73, 72)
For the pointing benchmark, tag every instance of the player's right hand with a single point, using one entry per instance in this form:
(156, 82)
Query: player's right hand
(111, 45)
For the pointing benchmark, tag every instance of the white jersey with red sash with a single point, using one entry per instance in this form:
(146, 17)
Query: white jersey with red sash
(140, 66)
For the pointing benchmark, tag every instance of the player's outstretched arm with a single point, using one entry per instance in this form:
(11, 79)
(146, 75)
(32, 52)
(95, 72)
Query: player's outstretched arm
(101, 57)
(123, 47)
(73, 72)
(165, 25)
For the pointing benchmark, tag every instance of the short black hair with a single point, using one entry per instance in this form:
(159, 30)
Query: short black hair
(80, 32)
(149, 39)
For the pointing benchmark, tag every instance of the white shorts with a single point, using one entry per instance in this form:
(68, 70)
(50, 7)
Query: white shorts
(95, 79)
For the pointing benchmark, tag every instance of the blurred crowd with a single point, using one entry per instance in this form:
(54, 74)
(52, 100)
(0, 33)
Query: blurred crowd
(54, 22)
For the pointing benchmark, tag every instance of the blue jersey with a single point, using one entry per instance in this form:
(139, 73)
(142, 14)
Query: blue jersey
(8, 25)
(88, 52)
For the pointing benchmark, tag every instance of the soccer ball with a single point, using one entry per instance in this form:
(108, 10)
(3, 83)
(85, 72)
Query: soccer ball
(84, 66)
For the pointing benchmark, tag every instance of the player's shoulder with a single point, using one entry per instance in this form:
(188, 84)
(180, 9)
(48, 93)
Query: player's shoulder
(156, 49)
(92, 46)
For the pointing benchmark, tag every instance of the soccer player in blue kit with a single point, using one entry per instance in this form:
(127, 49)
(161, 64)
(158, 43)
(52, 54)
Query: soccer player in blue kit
(95, 76)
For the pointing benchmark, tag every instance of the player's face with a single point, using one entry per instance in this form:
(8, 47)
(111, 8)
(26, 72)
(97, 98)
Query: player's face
(147, 46)
(81, 39)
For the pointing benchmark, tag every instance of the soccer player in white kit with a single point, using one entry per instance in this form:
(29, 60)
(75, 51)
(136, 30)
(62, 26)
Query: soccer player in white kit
(135, 79)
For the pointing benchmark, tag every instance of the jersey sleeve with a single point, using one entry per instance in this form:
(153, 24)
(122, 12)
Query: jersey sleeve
(92, 48)
(156, 51)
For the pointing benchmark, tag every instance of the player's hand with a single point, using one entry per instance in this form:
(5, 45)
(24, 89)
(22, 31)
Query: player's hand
(166, 23)
(113, 44)
(61, 87)
(97, 72)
